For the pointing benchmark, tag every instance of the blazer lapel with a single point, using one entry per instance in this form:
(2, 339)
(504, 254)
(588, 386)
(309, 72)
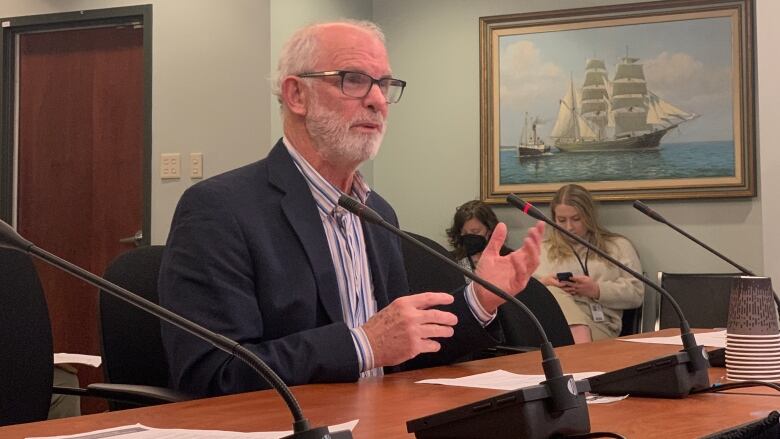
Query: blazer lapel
(301, 211)
(377, 262)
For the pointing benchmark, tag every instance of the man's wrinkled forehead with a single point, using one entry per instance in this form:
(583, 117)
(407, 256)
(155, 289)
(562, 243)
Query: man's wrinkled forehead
(343, 46)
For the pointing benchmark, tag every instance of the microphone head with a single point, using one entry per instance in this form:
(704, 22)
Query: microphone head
(526, 207)
(10, 239)
(361, 210)
(644, 208)
(350, 204)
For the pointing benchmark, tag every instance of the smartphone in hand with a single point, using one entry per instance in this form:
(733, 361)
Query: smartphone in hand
(564, 276)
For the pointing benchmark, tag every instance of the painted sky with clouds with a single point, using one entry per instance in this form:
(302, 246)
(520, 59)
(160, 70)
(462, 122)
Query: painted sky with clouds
(687, 63)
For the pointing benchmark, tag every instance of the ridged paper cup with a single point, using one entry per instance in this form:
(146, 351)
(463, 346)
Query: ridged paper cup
(752, 334)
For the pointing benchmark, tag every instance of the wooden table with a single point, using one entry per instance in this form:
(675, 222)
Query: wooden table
(383, 405)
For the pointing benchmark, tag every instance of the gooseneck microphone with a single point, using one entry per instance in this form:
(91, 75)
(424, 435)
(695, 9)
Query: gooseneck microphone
(644, 208)
(10, 239)
(556, 406)
(673, 376)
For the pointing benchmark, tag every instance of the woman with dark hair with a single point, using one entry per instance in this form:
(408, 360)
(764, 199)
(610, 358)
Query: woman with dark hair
(591, 291)
(470, 232)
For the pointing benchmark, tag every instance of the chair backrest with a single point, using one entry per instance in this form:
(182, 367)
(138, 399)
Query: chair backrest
(131, 341)
(427, 273)
(703, 298)
(25, 342)
(521, 332)
(632, 321)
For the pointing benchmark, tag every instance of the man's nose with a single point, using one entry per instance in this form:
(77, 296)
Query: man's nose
(376, 100)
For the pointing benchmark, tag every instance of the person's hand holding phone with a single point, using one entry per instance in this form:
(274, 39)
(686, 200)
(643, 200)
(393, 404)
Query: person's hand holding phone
(556, 280)
(579, 285)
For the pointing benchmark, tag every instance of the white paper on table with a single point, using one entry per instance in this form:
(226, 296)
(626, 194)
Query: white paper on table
(499, 380)
(603, 399)
(139, 431)
(715, 339)
(87, 360)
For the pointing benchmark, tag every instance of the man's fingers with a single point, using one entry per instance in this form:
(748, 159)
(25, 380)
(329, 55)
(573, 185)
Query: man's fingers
(428, 300)
(438, 317)
(427, 345)
(497, 238)
(436, 331)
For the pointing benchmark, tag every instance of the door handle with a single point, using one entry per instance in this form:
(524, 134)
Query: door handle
(135, 239)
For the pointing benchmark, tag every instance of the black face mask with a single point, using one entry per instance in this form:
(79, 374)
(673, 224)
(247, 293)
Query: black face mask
(473, 244)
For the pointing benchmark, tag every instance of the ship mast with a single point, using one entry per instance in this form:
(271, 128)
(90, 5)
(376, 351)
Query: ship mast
(629, 98)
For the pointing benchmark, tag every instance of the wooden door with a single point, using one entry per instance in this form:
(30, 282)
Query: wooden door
(80, 165)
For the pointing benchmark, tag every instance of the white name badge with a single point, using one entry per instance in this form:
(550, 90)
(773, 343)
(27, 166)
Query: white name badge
(597, 312)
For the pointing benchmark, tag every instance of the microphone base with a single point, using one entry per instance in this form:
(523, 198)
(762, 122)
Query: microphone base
(520, 413)
(320, 433)
(665, 377)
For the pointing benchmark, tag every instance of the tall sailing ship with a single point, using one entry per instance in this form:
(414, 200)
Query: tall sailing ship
(621, 114)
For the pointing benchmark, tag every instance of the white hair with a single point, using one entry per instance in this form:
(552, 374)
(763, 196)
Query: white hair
(301, 52)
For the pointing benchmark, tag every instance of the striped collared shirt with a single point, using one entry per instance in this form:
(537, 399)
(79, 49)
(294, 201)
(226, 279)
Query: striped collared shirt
(348, 249)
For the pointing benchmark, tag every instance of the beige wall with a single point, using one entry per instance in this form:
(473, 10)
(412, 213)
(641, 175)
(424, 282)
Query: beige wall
(768, 117)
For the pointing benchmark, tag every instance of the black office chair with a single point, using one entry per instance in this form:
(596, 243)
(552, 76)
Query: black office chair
(632, 321)
(427, 273)
(130, 338)
(25, 342)
(26, 348)
(520, 333)
(703, 298)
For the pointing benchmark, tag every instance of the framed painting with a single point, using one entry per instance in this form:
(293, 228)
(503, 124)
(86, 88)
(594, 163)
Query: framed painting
(650, 100)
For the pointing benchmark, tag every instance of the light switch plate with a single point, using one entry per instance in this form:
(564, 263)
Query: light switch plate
(170, 166)
(196, 165)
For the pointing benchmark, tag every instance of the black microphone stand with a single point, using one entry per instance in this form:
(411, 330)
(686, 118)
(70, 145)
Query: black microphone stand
(10, 239)
(556, 406)
(675, 376)
(644, 208)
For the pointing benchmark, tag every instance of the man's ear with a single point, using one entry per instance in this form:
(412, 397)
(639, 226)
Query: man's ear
(295, 95)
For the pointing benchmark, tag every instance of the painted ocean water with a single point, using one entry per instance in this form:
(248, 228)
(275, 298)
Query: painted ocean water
(671, 160)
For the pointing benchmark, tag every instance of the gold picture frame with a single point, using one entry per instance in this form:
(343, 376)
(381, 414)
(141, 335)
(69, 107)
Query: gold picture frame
(650, 100)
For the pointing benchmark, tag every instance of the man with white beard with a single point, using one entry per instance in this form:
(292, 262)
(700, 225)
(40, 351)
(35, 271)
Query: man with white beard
(265, 256)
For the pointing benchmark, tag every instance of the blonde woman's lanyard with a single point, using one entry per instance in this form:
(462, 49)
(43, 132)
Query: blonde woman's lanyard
(583, 265)
(596, 310)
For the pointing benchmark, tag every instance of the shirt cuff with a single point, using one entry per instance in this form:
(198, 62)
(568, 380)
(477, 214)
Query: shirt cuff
(363, 348)
(482, 316)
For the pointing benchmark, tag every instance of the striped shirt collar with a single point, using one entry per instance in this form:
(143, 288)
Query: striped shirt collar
(326, 195)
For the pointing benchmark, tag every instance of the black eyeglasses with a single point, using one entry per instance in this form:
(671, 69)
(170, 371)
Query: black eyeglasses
(358, 85)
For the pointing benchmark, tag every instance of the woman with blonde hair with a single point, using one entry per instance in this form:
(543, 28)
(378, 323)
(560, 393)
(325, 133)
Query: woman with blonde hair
(591, 291)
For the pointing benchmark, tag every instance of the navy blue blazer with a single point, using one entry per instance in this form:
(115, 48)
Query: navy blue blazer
(247, 257)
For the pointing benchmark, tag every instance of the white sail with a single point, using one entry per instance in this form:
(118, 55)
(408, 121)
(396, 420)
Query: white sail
(586, 132)
(628, 102)
(664, 114)
(564, 125)
(631, 123)
(570, 124)
(624, 87)
(594, 104)
(629, 71)
(595, 64)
